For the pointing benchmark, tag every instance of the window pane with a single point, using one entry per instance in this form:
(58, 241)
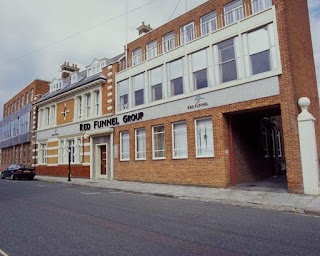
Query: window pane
(258, 41)
(125, 146)
(208, 23)
(158, 142)
(177, 86)
(156, 92)
(141, 144)
(260, 62)
(180, 145)
(168, 42)
(229, 71)
(124, 102)
(200, 79)
(152, 50)
(138, 97)
(199, 60)
(204, 137)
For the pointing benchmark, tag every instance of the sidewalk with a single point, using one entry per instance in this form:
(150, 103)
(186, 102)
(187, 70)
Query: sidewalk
(258, 199)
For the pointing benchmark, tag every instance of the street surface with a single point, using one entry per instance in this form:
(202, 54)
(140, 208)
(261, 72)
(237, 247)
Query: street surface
(41, 218)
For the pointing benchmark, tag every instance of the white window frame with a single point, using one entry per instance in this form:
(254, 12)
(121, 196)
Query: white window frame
(187, 35)
(62, 151)
(47, 117)
(152, 49)
(211, 154)
(122, 141)
(168, 43)
(143, 138)
(136, 56)
(121, 95)
(235, 14)
(97, 102)
(154, 151)
(210, 25)
(53, 115)
(185, 134)
(153, 85)
(43, 153)
(88, 104)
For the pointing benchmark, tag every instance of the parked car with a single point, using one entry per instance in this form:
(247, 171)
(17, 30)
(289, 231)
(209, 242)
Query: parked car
(18, 171)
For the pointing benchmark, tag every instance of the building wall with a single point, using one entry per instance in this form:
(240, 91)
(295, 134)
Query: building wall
(69, 117)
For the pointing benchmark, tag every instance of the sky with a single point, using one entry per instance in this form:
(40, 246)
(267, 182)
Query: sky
(37, 36)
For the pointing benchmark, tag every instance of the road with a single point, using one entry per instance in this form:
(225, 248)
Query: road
(40, 218)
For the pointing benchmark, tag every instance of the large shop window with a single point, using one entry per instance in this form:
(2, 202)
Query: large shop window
(259, 51)
(227, 61)
(233, 12)
(200, 69)
(124, 145)
(156, 84)
(141, 144)
(43, 153)
(180, 140)
(204, 138)
(158, 142)
(208, 23)
(123, 91)
(176, 77)
(138, 83)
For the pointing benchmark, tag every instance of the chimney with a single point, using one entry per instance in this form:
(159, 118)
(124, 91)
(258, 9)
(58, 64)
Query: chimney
(67, 69)
(143, 28)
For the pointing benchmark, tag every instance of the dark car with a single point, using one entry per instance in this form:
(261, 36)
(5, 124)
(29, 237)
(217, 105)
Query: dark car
(18, 171)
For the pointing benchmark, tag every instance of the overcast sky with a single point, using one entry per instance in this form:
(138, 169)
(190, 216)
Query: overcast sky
(37, 36)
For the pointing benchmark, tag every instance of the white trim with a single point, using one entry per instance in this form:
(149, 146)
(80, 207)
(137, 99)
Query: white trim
(172, 138)
(110, 87)
(109, 80)
(136, 144)
(153, 157)
(109, 101)
(195, 136)
(52, 165)
(109, 94)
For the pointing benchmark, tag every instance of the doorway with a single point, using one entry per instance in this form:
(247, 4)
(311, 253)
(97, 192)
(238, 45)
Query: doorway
(103, 160)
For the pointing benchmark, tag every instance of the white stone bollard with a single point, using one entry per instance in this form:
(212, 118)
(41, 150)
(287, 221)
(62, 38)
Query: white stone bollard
(308, 148)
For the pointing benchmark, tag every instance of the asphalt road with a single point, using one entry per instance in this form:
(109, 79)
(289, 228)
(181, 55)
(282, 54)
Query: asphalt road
(39, 218)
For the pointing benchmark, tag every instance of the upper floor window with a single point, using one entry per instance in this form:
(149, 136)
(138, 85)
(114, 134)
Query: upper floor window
(168, 42)
(176, 77)
(260, 5)
(79, 107)
(22, 101)
(15, 106)
(152, 49)
(227, 61)
(233, 12)
(31, 95)
(259, 51)
(27, 98)
(136, 56)
(123, 94)
(138, 83)
(208, 23)
(204, 138)
(18, 103)
(74, 78)
(88, 105)
(53, 115)
(187, 33)
(97, 103)
(156, 84)
(199, 69)
(47, 113)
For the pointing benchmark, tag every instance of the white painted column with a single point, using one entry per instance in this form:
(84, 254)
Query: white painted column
(308, 149)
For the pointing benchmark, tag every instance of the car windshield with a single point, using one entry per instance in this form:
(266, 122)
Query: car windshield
(25, 166)
(14, 166)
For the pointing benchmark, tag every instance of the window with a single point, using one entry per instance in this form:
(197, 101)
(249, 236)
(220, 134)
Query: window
(18, 103)
(233, 12)
(158, 142)
(41, 118)
(78, 158)
(180, 144)
(168, 42)
(204, 138)
(47, 110)
(74, 78)
(53, 115)
(88, 105)
(124, 145)
(141, 144)
(156, 84)
(138, 83)
(43, 153)
(273, 143)
(199, 69)
(62, 152)
(136, 56)
(27, 98)
(123, 91)
(152, 50)
(71, 149)
(97, 102)
(208, 23)
(31, 95)
(260, 5)
(227, 61)
(22, 101)
(259, 51)
(14, 106)
(79, 105)
(187, 33)
(176, 77)
(265, 142)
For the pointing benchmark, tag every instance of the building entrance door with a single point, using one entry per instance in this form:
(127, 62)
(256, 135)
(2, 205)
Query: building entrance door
(103, 157)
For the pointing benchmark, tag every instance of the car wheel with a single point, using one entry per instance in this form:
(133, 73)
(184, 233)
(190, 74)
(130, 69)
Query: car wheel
(2, 176)
(30, 178)
(12, 177)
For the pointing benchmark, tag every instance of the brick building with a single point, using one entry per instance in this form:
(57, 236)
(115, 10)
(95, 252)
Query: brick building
(17, 128)
(209, 99)
(76, 97)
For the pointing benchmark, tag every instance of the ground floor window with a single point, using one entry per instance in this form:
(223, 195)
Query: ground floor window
(180, 144)
(141, 144)
(125, 145)
(159, 148)
(204, 138)
(43, 153)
